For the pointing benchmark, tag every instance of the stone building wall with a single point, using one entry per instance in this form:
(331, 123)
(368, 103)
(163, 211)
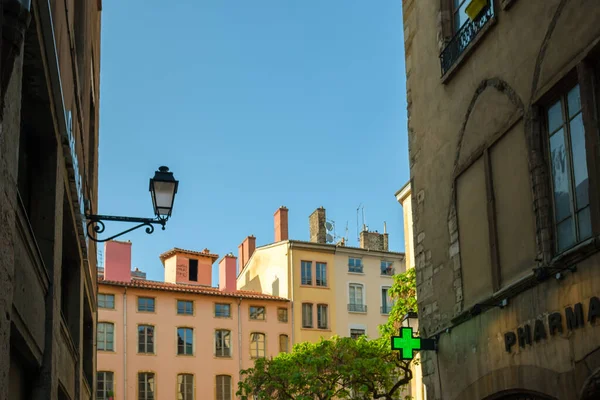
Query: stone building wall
(47, 288)
(482, 204)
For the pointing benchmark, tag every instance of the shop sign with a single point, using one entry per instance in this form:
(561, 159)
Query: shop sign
(574, 318)
(76, 175)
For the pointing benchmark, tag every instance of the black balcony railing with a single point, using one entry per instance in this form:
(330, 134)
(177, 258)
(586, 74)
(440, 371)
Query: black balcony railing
(357, 307)
(386, 309)
(464, 37)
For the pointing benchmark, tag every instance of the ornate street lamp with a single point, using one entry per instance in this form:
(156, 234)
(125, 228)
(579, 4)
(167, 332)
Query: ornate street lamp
(163, 188)
(15, 17)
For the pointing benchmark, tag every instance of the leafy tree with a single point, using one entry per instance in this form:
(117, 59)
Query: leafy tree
(404, 292)
(341, 368)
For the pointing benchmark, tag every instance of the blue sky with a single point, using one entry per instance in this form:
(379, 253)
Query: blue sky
(252, 105)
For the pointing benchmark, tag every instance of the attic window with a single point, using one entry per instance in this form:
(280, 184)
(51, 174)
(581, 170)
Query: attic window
(193, 272)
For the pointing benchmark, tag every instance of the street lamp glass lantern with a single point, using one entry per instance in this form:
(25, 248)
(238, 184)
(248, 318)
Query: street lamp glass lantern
(163, 188)
(410, 320)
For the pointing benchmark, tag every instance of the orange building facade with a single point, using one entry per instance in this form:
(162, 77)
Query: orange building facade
(181, 338)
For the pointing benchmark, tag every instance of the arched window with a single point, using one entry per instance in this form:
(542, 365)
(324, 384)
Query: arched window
(223, 387)
(284, 343)
(257, 345)
(185, 387)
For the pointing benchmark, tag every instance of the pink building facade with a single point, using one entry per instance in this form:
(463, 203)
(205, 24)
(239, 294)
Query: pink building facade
(181, 339)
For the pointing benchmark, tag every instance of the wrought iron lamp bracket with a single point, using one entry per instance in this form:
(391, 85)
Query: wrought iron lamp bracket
(95, 225)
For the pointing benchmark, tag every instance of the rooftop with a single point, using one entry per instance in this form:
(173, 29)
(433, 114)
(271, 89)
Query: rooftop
(193, 289)
(332, 247)
(175, 250)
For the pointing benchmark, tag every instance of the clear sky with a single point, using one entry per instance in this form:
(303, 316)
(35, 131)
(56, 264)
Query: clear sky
(252, 105)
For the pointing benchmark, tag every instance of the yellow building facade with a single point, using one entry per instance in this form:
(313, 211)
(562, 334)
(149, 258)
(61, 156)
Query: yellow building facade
(334, 289)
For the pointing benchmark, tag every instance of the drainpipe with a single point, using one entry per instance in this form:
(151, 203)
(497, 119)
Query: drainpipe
(291, 295)
(125, 344)
(240, 336)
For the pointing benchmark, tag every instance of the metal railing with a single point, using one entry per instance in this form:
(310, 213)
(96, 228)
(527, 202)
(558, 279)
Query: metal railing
(357, 307)
(387, 271)
(464, 37)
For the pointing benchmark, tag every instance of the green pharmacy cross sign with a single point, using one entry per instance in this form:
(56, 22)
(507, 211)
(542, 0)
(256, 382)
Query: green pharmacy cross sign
(407, 344)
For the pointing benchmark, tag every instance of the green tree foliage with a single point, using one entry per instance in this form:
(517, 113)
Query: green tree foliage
(403, 292)
(341, 368)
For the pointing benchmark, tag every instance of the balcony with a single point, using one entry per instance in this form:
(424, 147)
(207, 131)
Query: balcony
(387, 271)
(465, 36)
(362, 308)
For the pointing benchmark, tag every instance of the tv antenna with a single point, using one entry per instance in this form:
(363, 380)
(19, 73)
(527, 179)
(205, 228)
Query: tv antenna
(364, 227)
(330, 229)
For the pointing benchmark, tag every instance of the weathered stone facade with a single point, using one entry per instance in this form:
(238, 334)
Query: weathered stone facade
(374, 240)
(486, 245)
(316, 225)
(48, 164)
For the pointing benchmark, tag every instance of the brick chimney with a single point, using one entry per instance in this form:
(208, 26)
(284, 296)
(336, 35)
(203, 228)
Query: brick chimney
(316, 224)
(281, 224)
(117, 261)
(227, 273)
(245, 250)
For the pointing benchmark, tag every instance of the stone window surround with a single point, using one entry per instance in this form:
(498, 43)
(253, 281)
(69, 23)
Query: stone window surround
(581, 70)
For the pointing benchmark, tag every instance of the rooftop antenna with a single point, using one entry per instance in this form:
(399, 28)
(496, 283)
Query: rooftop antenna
(357, 231)
(346, 236)
(363, 216)
(330, 229)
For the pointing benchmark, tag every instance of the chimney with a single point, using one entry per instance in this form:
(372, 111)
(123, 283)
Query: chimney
(117, 261)
(227, 273)
(316, 224)
(281, 224)
(373, 240)
(246, 249)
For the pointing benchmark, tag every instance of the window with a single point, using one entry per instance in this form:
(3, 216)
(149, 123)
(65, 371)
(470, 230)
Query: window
(386, 300)
(355, 265)
(307, 318)
(185, 387)
(282, 314)
(146, 339)
(106, 300)
(146, 386)
(356, 333)
(257, 313)
(569, 170)
(104, 384)
(146, 304)
(223, 343)
(284, 343)
(257, 345)
(306, 272)
(106, 336)
(222, 310)
(387, 268)
(321, 274)
(322, 316)
(459, 14)
(193, 271)
(185, 307)
(185, 341)
(356, 298)
(223, 387)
